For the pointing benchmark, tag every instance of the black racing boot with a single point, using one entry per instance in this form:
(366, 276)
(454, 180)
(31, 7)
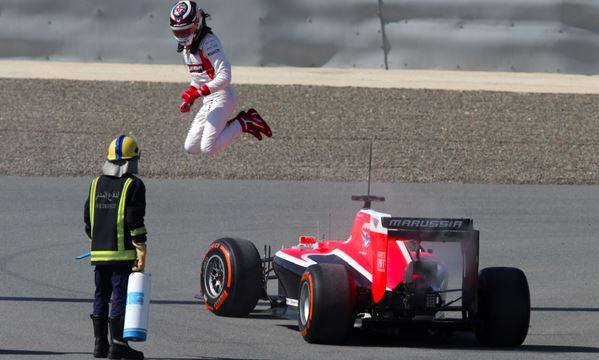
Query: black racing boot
(101, 335)
(119, 349)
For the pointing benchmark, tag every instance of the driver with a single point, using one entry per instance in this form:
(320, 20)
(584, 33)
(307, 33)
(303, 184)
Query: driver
(212, 128)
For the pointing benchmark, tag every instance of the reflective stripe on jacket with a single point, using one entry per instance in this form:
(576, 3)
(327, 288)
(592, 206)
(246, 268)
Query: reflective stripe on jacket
(114, 217)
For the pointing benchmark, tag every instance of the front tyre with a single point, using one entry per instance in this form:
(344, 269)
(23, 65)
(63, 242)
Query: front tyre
(231, 277)
(327, 303)
(503, 307)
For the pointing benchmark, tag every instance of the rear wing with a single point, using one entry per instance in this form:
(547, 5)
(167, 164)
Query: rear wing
(459, 230)
(418, 224)
(429, 229)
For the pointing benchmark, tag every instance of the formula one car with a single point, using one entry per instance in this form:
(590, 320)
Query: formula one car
(381, 274)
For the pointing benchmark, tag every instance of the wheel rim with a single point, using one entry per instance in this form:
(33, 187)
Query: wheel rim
(304, 303)
(214, 276)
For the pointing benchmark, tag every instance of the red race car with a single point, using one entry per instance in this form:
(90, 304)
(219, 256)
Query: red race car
(381, 275)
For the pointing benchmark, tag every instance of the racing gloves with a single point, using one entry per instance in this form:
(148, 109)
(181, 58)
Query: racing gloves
(189, 96)
(140, 263)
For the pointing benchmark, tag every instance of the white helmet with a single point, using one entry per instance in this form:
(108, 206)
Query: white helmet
(186, 21)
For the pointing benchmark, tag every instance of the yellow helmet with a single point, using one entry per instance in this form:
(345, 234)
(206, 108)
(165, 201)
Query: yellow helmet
(123, 147)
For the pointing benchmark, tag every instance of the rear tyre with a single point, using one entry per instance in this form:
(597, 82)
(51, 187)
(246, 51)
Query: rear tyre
(327, 303)
(503, 307)
(231, 277)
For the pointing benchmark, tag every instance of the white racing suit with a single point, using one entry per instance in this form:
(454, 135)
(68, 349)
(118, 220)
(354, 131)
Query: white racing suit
(211, 73)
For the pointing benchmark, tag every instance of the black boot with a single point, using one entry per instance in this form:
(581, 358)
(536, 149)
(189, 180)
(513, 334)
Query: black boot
(119, 349)
(101, 335)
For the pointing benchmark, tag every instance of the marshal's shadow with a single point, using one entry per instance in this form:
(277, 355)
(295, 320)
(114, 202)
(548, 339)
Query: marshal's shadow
(196, 358)
(23, 352)
(89, 300)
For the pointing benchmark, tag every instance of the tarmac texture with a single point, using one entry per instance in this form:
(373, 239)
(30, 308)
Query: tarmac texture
(45, 295)
(298, 182)
(61, 128)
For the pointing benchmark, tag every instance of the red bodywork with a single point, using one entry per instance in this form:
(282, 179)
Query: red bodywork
(380, 258)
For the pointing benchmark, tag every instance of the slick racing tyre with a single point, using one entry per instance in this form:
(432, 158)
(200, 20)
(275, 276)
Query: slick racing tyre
(503, 307)
(231, 277)
(327, 302)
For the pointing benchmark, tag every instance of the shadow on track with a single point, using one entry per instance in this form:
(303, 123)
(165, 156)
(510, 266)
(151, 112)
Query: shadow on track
(558, 349)
(565, 309)
(199, 358)
(290, 327)
(80, 300)
(196, 358)
(38, 352)
(258, 314)
(458, 341)
(265, 316)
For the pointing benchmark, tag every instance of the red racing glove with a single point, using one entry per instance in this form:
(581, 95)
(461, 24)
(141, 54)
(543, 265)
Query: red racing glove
(189, 96)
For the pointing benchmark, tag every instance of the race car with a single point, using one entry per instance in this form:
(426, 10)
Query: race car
(381, 274)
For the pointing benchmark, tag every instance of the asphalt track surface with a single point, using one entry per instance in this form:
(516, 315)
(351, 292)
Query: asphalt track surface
(548, 231)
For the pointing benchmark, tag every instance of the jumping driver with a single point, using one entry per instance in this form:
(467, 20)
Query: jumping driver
(212, 129)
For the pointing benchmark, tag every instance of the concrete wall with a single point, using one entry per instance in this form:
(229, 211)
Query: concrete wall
(512, 35)
(508, 35)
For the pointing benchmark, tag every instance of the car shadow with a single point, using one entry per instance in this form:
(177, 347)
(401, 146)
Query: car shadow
(457, 341)
(264, 316)
(290, 327)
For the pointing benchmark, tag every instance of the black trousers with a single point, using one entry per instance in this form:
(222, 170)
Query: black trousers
(111, 281)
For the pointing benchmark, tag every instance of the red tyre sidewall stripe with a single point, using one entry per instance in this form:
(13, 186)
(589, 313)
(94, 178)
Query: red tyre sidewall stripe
(221, 299)
(306, 276)
(212, 246)
(223, 296)
(228, 260)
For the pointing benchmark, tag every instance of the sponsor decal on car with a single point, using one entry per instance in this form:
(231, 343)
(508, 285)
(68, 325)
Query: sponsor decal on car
(381, 261)
(366, 233)
(375, 222)
(416, 223)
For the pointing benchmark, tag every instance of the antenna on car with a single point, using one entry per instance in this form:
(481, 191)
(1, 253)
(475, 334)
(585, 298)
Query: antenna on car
(368, 199)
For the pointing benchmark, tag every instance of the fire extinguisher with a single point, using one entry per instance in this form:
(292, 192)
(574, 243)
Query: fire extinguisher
(138, 307)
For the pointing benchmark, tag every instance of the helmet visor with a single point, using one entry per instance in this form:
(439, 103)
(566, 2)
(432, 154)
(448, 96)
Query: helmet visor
(184, 34)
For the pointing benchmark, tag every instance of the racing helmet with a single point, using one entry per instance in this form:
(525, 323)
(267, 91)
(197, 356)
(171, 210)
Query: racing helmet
(122, 148)
(185, 21)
